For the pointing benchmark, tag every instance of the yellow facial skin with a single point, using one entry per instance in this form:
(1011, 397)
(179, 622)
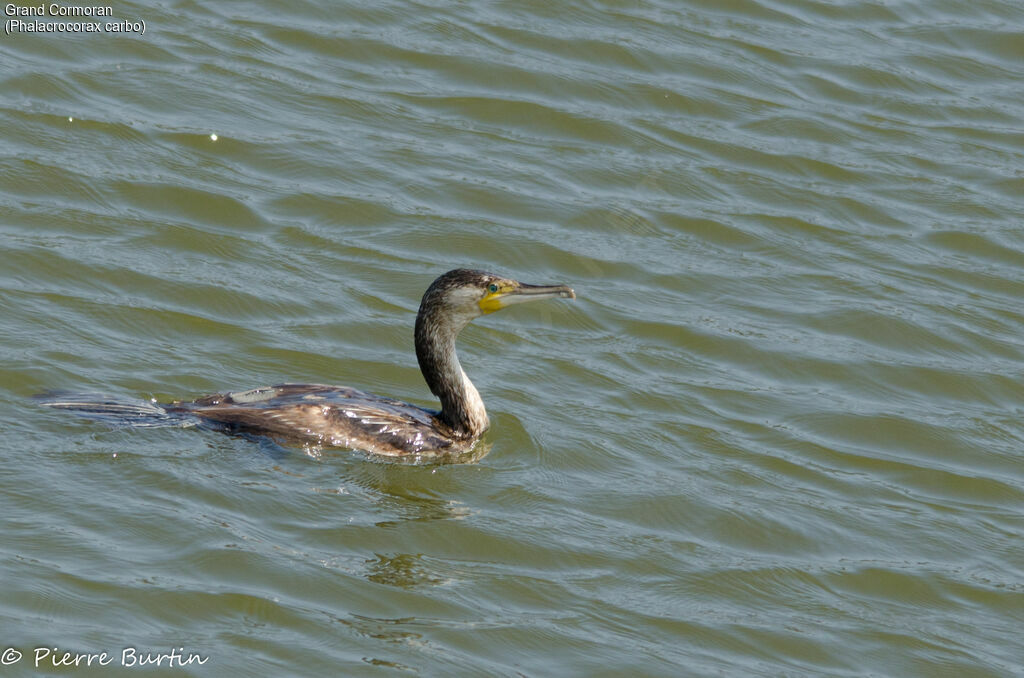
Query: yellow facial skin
(492, 301)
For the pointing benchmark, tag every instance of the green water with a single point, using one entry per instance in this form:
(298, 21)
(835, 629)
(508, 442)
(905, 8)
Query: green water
(778, 433)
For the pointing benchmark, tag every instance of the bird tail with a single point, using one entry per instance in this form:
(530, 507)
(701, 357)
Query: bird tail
(114, 411)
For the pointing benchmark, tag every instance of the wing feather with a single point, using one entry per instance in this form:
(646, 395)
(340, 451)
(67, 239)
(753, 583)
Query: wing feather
(326, 415)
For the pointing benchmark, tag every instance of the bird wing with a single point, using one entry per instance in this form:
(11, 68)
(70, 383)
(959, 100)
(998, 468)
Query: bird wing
(338, 416)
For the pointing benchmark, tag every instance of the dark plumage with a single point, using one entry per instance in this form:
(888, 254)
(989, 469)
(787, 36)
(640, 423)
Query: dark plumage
(339, 416)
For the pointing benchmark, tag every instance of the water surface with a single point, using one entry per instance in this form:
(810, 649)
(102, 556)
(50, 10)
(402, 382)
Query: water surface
(778, 433)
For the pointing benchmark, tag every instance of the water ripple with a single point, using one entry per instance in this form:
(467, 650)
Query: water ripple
(777, 432)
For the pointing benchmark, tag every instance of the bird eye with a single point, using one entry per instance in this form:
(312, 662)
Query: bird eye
(493, 287)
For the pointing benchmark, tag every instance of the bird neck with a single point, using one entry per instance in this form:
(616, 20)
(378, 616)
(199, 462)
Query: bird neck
(461, 406)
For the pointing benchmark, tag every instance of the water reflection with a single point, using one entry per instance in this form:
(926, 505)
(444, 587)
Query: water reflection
(404, 570)
(406, 493)
(391, 630)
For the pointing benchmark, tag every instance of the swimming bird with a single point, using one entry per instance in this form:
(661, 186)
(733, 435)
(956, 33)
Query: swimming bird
(344, 417)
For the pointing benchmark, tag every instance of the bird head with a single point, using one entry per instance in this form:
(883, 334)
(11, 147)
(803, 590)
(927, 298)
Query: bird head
(464, 294)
